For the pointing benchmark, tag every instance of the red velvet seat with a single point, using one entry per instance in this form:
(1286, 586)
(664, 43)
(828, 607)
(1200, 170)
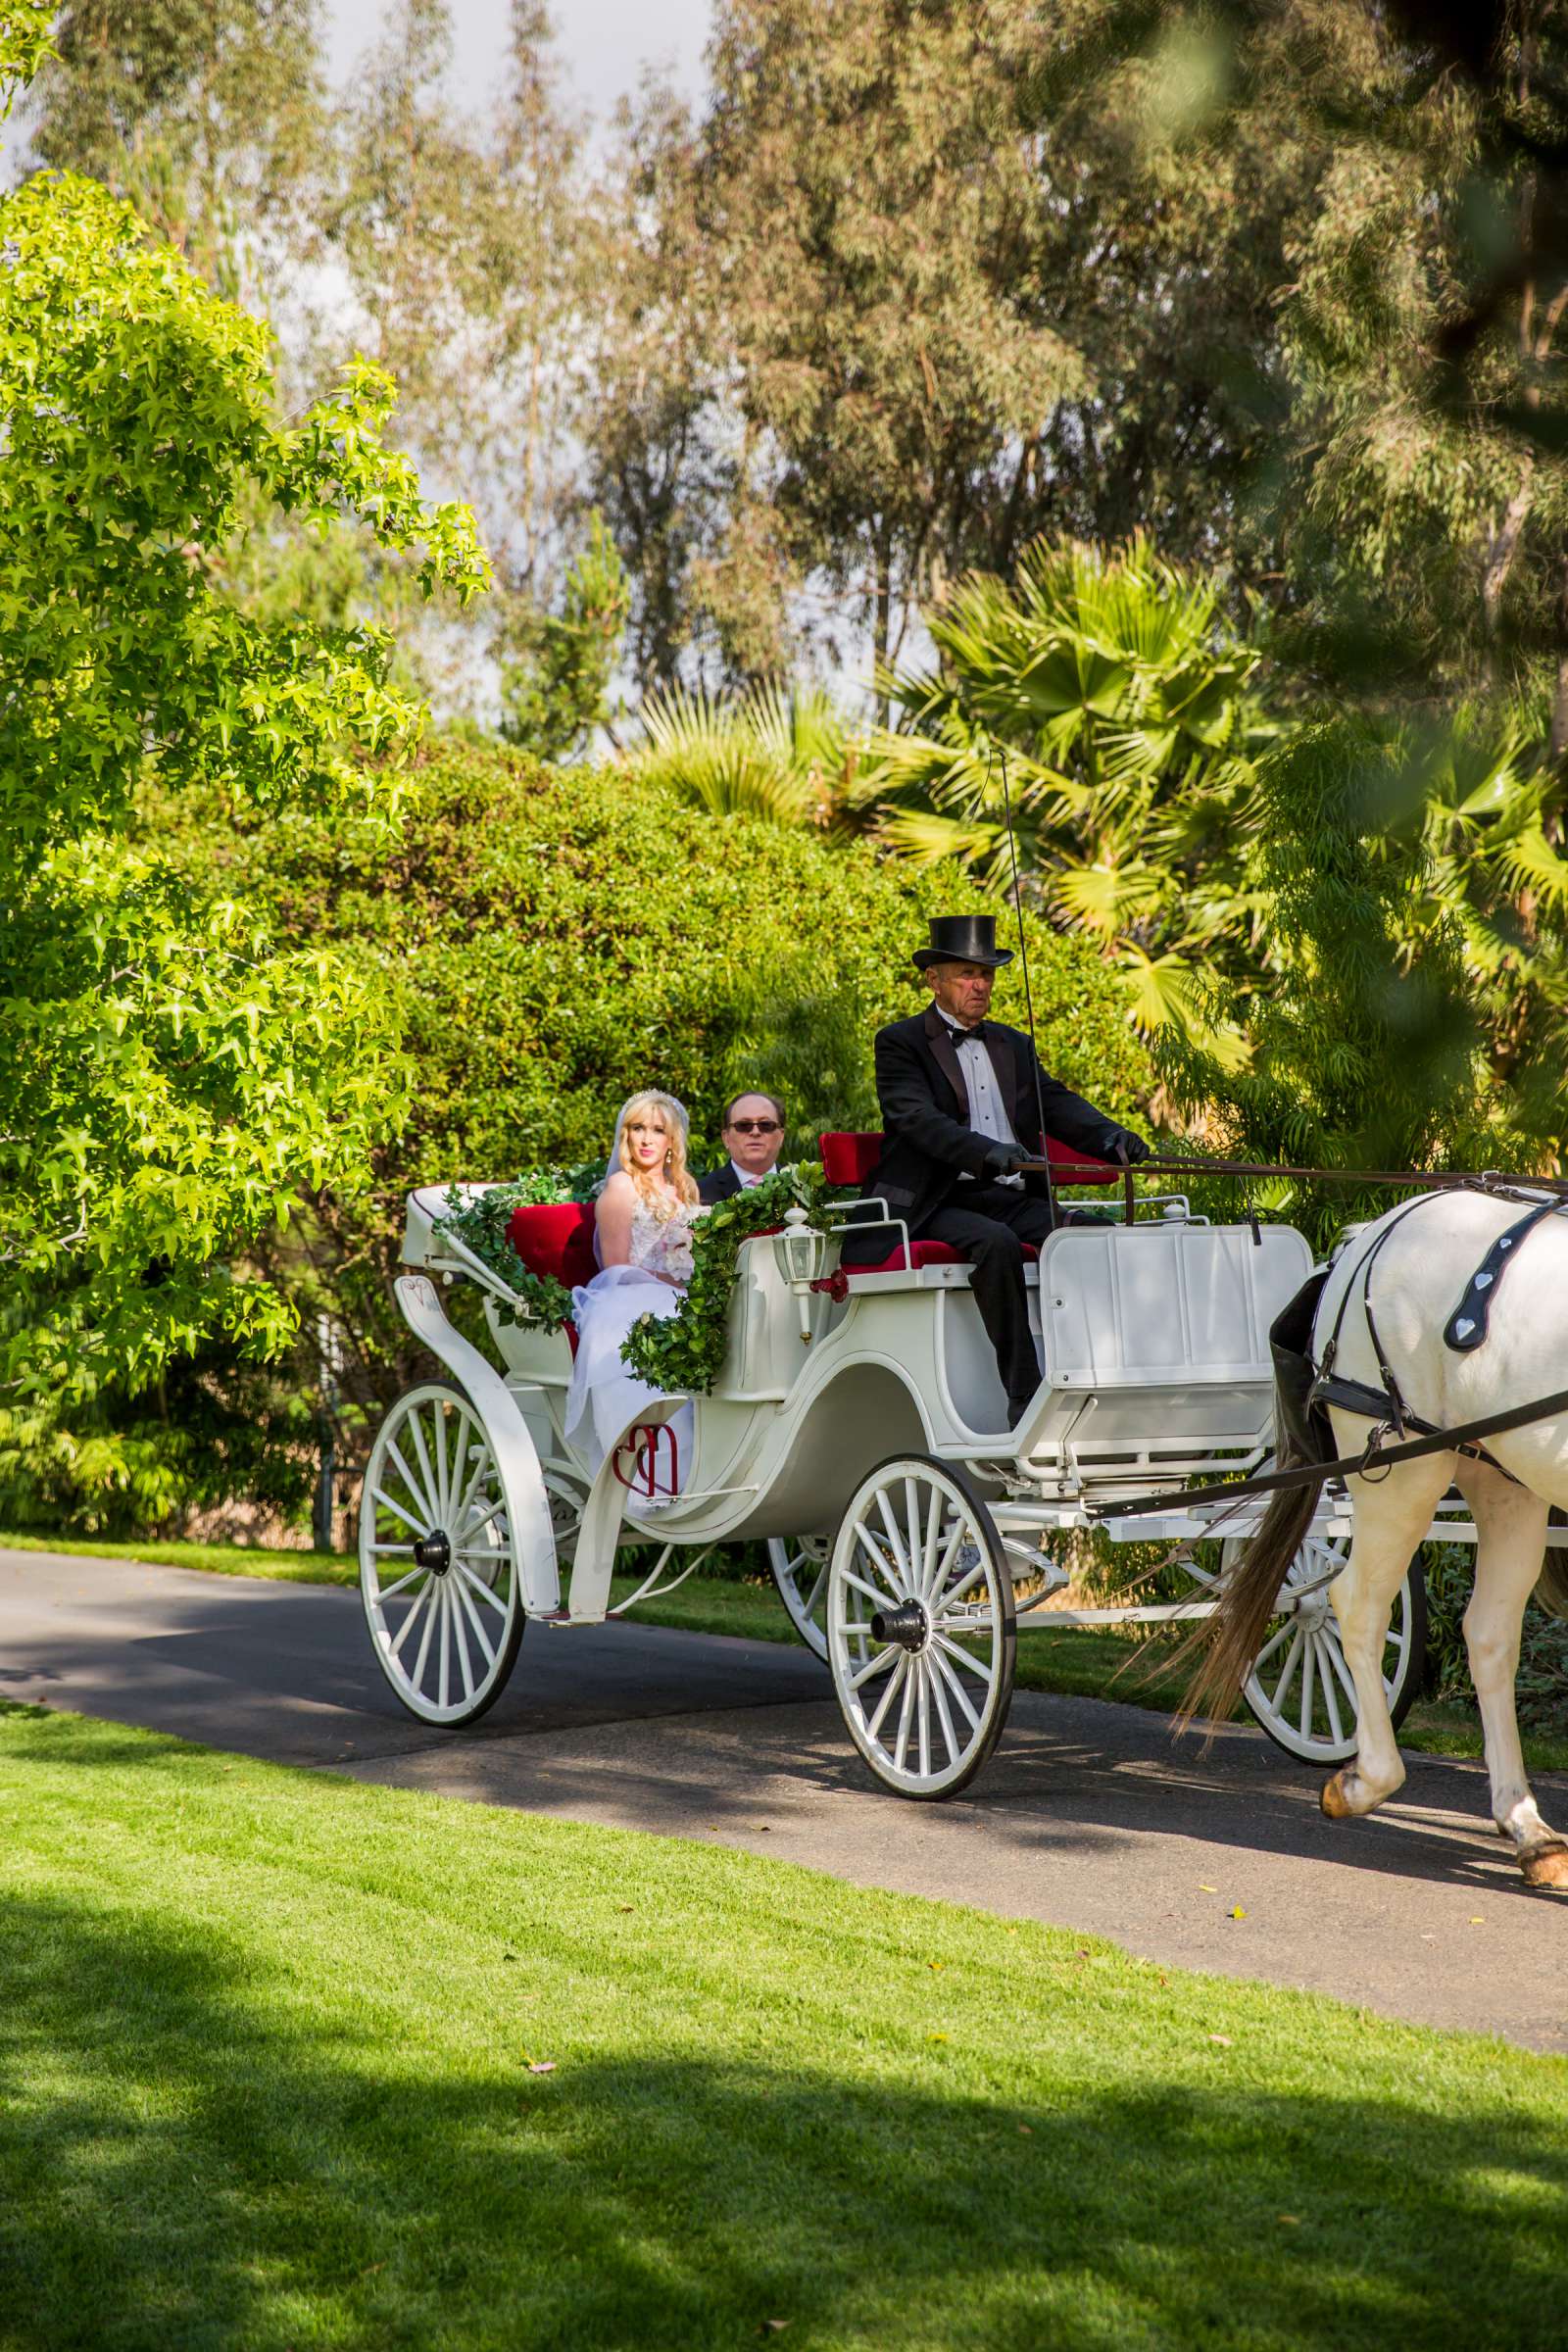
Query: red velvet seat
(556, 1238)
(850, 1160)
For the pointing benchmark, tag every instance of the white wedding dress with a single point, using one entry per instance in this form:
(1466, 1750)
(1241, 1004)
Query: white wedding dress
(604, 1394)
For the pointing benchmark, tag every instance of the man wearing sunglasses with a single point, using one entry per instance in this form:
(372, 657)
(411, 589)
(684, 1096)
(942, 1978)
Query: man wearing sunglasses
(754, 1135)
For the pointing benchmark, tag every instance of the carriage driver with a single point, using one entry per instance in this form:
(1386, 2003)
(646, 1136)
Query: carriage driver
(960, 1115)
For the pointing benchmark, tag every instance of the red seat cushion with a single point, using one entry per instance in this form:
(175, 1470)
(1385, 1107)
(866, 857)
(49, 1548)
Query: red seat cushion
(924, 1253)
(850, 1160)
(556, 1238)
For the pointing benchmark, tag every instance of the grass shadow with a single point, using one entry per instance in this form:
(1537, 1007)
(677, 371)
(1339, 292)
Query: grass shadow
(193, 2156)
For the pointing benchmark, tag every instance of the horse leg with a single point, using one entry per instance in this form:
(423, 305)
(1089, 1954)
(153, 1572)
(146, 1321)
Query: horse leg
(1511, 1528)
(1391, 1518)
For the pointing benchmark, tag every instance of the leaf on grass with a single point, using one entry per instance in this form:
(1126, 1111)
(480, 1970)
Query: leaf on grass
(509, 1955)
(1292, 2220)
(1027, 2130)
(625, 1906)
(1223, 2039)
(541, 2066)
(936, 2037)
(938, 1965)
(772, 2326)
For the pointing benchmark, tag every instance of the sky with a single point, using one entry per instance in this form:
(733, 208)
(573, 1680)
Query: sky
(604, 44)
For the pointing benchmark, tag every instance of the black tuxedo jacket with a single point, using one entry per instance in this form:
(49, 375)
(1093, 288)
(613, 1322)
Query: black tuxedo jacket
(928, 1143)
(719, 1184)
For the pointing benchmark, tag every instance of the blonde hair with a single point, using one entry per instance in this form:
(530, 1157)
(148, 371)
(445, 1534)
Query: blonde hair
(681, 1184)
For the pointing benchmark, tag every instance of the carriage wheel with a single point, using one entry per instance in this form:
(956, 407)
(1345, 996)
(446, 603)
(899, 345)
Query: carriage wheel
(438, 1569)
(922, 1635)
(1300, 1690)
(800, 1570)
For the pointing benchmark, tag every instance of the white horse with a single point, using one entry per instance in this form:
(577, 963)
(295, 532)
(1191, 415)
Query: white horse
(1425, 1255)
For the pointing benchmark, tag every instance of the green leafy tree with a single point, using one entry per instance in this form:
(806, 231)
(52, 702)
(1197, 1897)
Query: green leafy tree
(556, 668)
(168, 1078)
(1365, 1044)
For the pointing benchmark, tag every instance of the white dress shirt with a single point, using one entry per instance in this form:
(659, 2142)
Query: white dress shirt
(744, 1178)
(987, 1113)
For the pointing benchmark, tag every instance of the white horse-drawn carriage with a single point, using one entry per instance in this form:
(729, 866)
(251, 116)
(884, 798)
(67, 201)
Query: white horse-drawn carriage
(858, 1426)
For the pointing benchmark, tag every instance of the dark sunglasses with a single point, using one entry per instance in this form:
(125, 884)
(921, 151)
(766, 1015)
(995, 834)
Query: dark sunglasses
(755, 1127)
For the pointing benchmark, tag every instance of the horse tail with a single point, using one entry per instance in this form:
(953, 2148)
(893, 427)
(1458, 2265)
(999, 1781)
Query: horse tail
(1222, 1649)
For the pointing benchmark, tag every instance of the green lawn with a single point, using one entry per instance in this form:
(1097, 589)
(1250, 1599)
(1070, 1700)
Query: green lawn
(1083, 1663)
(267, 2046)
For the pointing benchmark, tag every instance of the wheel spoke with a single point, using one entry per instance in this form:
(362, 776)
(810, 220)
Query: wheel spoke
(879, 1665)
(1288, 1671)
(407, 1627)
(958, 1690)
(445, 1668)
(878, 1600)
(810, 1607)
(900, 1550)
(1308, 1673)
(901, 1746)
(434, 1611)
(965, 1657)
(459, 1633)
(417, 1433)
(944, 1713)
(875, 1559)
(895, 1684)
(1331, 1699)
(938, 1593)
(955, 1593)
(459, 1515)
(484, 1592)
(924, 1715)
(1272, 1644)
(929, 1573)
(415, 1492)
(388, 1593)
(381, 1495)
(1337, 1660)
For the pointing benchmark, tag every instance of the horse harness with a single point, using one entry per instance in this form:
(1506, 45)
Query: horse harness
(1464, 1331)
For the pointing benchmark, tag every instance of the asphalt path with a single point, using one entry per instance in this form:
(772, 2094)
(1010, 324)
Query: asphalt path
(1090, 1816)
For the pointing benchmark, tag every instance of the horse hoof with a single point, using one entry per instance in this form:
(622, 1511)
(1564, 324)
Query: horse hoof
(1333, 1799)
(1547, 1866)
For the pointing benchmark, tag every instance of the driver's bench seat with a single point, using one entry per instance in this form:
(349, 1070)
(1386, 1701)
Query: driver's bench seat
(851, 1160)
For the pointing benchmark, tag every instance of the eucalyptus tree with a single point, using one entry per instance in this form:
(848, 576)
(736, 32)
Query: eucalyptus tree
(210, 115)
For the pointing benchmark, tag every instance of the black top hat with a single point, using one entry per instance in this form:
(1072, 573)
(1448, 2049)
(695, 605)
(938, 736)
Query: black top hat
(963, 939)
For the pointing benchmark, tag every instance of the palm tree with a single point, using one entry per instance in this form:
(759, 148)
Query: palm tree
(1108, 693)
(781, 752)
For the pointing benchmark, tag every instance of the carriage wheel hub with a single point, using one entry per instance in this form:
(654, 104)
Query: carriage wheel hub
(908, 1625)
(434, 1551)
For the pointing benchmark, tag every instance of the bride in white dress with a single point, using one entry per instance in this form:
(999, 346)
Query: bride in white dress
(643, 1241)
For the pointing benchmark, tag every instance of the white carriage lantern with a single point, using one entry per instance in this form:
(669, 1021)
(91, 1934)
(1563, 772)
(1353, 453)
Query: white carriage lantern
(803, 1253)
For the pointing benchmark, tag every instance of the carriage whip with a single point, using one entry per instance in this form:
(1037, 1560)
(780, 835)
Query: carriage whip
(1044, 1167)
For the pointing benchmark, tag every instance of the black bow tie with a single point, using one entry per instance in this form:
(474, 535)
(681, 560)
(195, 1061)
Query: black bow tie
(962, 1037)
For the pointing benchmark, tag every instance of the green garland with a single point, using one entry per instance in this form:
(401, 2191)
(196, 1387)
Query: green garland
(481, 1226)
(681, 1354)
